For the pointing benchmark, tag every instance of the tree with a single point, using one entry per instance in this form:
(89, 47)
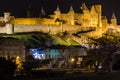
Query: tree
(30, 63)
(104, 47)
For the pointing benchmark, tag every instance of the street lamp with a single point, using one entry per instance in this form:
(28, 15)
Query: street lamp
(72, 59)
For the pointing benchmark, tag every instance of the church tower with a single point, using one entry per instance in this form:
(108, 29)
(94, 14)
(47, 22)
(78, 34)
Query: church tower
(72, 14)
(113, 20)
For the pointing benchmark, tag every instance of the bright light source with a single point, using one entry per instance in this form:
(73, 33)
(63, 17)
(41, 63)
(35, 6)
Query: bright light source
(17, 57)
(72, 59)
(38, 53)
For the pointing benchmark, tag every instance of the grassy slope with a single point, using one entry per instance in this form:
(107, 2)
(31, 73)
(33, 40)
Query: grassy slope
(57, 39)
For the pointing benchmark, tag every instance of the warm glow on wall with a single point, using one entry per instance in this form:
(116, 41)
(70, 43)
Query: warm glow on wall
(32, 21)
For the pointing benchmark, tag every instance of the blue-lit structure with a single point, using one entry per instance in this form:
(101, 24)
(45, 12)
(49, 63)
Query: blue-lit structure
(38, 53)
(54, 53)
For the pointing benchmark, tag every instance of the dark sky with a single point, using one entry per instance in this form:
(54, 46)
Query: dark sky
(18, 8)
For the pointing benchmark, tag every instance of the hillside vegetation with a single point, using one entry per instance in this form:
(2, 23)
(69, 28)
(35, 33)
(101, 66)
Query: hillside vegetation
(36, 39)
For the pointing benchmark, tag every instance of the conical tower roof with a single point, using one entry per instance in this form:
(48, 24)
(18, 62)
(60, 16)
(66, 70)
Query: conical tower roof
(84, 7)
(71, 8)
(42, 11)
(113, 16)
(58, 9)
(93, 9)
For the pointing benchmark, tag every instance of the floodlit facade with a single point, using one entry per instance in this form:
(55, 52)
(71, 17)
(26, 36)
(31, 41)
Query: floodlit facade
(58, 22)
(88, 19)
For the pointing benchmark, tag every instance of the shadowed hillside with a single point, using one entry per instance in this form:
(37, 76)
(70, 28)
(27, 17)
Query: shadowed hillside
(36, 39)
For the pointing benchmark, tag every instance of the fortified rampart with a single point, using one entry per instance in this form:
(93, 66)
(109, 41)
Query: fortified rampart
(52, 29)
(3, 30)
(32, 21)
(58, 22)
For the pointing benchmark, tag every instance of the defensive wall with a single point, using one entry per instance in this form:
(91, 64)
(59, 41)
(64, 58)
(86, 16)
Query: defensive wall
(46, 28)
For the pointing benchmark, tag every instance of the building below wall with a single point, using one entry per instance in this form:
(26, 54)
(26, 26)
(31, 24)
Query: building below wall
(12, 47)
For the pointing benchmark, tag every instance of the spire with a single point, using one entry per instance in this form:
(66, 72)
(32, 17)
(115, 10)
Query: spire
(58, 9)
(113, 20)
(71, 8)
(93, 9)
(113, 16)
(84, 7)
(42, 13)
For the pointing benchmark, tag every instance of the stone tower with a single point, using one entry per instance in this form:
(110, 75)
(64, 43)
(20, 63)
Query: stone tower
(86, 15)
(99, 11)
(92, 11)
(104, 21)
(57, 13)
(84, 8)
(113, 20)
(9, 28)
(72, 14)
(6, 17)
(94, 17)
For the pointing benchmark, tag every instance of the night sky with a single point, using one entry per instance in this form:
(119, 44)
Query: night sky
(18, 8)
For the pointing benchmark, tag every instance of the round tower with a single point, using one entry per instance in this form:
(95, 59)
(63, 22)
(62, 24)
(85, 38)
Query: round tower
(57, 13)
(84, 8)
(113, 20)
(9, 28)
(104, 21)
(6, 17)
(86, 15)
(99, 11)
(72, 14)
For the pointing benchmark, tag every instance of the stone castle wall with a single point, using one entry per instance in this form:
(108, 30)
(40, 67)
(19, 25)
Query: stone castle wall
(32, 21)
(60, 22)
(3, 29)
(52, 29)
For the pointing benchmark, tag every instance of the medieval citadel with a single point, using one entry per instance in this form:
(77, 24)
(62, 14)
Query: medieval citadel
(88, 20)
(60, 22)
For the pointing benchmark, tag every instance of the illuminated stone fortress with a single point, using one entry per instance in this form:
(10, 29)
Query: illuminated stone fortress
(88, 20)
(71, 22)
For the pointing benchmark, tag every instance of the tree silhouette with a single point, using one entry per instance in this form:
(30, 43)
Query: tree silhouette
(7, 69)
(106, 46)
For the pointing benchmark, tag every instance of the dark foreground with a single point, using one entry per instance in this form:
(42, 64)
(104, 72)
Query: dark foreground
(72, 75)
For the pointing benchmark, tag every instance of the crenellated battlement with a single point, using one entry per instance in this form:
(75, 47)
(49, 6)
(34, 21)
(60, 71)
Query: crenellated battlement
(32, 21)
(57, 22)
